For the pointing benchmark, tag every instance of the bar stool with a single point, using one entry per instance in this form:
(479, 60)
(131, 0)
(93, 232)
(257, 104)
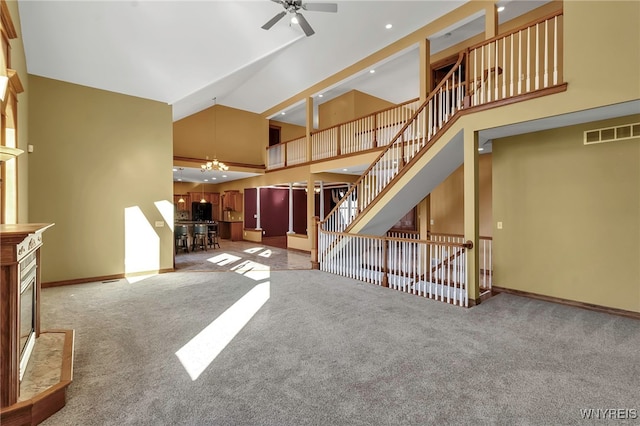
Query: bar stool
(182, 238)
(213, 235)
(200, 236)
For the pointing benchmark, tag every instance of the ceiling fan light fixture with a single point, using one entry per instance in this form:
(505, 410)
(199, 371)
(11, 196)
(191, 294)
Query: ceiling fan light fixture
(293, 6)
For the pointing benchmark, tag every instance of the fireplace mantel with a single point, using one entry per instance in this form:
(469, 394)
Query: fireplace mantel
(20, 263)
(17, 242)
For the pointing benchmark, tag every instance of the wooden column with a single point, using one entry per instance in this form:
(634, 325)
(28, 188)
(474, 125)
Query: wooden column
(491, 21)
(309, 129)
(425, 69)
(471, 213)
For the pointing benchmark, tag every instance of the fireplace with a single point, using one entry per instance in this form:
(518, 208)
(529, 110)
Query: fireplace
(27, 314)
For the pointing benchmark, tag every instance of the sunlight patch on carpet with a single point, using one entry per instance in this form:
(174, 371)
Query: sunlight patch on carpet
(254, 270)
(200, 351)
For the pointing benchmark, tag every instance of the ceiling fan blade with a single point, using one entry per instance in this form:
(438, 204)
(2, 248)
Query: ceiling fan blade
(273, 20)
(320, 7)
(304, 25)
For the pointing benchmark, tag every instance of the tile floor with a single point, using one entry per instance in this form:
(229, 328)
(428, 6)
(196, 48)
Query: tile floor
(44, 367)
(218, 259)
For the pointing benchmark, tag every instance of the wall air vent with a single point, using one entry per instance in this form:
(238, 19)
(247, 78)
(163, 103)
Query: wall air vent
(612, 134)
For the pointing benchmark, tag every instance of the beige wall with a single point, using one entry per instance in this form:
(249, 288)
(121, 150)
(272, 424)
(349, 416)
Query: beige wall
(241, 136)
(570, 216)
(288, 131)
(96, 156)
(447, 201)
(347, 107)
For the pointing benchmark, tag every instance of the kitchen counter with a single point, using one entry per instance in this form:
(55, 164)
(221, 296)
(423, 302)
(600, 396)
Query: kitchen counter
(230, 230)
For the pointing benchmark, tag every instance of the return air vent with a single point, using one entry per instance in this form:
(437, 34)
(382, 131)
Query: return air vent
(612, 134)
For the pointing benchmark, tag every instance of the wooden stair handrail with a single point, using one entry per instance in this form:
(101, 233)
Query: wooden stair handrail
(398, 135)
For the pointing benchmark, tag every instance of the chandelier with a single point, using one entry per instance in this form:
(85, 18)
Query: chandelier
(214, 165)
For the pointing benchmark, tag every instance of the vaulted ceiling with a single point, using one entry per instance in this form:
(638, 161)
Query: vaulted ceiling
(186, 53)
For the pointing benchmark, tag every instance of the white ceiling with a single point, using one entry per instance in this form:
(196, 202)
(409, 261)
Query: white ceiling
(186, 53)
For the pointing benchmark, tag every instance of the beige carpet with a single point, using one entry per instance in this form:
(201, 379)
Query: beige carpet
(327, 350)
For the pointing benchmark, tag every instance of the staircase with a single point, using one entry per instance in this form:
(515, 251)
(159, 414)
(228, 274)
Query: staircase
(510, 68)
(412, 141)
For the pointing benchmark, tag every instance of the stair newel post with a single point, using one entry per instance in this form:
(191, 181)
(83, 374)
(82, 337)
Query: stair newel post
(338, 141)
(385, 262)
(315, 264)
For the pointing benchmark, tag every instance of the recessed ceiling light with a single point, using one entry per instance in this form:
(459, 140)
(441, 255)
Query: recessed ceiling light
(388, 26)
(320, 95)
(372, 71)
(175, 170)
(501, 8)
(345, 170)
(480, 149)
(214, 178)
(224, 176)
(179, 180)
(206, 180)
(282, 113)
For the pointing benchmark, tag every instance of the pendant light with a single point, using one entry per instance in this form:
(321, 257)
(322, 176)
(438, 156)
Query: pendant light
(181, 199)
(214, 165)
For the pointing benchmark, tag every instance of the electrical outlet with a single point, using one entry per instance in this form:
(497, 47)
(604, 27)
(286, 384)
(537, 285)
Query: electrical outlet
(499, 224)
(431, 222)
(159, 224)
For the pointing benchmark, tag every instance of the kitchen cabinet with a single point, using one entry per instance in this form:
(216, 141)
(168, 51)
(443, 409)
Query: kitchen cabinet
(209, 197)
(185, 204)
(232, 201)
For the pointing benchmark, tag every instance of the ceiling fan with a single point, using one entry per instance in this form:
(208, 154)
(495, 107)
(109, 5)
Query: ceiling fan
(293, 7)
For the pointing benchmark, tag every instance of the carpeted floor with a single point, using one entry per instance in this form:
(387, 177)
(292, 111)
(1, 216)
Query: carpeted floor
(327, 350)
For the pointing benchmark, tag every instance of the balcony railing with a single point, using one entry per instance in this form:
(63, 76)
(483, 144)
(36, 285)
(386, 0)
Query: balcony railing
(519, 62)
(360, 135)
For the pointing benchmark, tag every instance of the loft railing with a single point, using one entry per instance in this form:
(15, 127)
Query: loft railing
(359, 135)
(424, 268)
(521, 61)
